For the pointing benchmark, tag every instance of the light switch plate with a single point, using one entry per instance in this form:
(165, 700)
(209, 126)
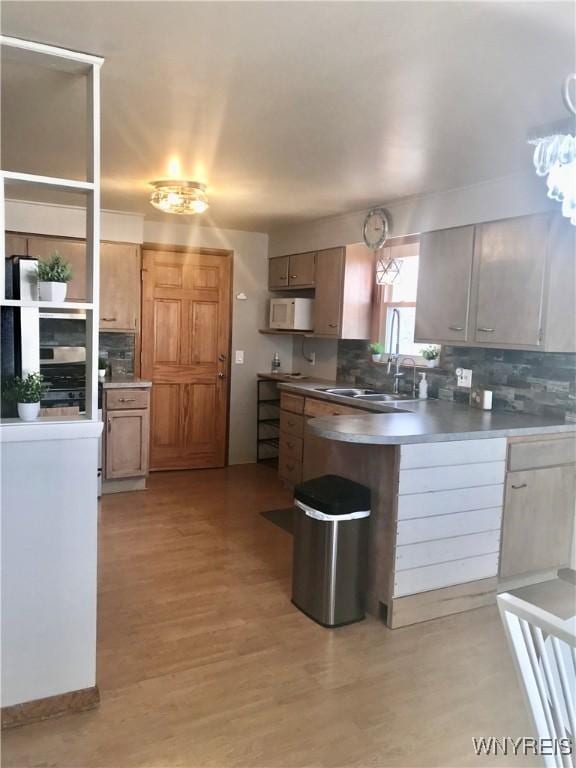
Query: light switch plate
(464, 377)
(239, 358)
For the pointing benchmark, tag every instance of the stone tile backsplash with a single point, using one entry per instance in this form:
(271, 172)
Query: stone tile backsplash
(118, 348)
(542, 383)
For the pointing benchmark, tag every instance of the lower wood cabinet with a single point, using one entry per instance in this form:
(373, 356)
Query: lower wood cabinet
(538, 520)
(127, 425)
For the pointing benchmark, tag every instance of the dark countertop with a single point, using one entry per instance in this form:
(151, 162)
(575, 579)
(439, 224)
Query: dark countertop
(421, 421)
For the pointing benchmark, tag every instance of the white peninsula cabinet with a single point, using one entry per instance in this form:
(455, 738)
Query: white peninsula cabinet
(506, 284)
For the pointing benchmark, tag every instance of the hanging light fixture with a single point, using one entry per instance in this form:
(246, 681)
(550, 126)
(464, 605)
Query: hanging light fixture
(387, 269)
(555, 157)
(179, 196)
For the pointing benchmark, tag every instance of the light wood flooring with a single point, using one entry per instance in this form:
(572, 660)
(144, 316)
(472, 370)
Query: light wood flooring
(204, 663)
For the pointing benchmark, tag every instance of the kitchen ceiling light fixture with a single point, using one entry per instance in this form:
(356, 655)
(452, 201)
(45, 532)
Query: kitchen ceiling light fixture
(179, 196)
(555, 157)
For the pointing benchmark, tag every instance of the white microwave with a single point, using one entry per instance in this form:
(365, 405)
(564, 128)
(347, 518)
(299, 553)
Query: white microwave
(291, 314)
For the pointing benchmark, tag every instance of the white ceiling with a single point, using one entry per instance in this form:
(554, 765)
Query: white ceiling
(292, 111)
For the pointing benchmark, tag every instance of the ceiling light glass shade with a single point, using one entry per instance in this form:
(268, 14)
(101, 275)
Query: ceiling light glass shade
(555, 157)
(178, 196)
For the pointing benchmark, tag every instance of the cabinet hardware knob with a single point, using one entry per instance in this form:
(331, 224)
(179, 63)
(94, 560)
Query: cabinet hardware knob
(522, 485)
(290, 445)
(109, 425)
(293, 277)
(290, 467)
(108, 319)
(332, 325)
(486, 330)
(456, 328)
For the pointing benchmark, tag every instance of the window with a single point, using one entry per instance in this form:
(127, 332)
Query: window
(401, 295)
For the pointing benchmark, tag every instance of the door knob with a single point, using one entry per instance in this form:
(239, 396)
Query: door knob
(221, 357)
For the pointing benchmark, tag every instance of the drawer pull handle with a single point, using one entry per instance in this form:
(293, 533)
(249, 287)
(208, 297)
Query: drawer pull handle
(126, 399)
(486, 330)
(456, 328)
(332, 325)
(109, 425)
(108, 319)
(522, 485)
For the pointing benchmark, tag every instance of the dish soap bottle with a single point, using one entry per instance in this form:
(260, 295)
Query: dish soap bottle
(423, 387)
(276, 363)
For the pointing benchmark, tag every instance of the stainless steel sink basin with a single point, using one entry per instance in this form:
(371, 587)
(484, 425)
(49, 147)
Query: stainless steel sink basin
(349, 392)
(382, 397)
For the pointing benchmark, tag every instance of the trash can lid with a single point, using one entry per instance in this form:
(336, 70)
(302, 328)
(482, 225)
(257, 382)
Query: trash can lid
(333, 495)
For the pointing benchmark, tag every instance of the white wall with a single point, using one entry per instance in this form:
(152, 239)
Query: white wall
(49, 559)
(250, 277)
(518, 195)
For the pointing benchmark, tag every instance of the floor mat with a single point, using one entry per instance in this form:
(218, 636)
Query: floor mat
(283, 518)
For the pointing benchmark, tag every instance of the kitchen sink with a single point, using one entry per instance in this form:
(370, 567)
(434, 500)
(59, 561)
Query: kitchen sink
(370, 395)
(349, 392)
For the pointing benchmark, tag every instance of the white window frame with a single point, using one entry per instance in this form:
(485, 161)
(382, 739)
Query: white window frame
(398, 248)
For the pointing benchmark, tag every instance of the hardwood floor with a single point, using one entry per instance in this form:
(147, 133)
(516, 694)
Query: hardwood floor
(204, 663)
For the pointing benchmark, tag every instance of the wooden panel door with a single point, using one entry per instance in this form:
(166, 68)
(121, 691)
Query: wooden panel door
(444, 276)
(119, 287)
(73, 251)
(126, 443)
(329, 291)
(302, 267)
(185, 353)
(278, 273)
(538, 520)
(510, 259)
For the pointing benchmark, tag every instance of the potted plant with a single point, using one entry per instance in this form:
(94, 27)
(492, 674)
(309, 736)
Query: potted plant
(53, 277)
(377, 351)
(102, 368)
(431, 353)
(27, 392)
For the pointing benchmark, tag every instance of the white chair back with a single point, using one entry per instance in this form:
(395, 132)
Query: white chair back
(544, 650)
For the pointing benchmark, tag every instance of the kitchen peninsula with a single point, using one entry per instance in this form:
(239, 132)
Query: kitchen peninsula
(457, 494)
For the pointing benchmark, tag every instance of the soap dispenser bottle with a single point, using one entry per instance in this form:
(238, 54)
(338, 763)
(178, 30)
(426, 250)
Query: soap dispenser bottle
(423, 387)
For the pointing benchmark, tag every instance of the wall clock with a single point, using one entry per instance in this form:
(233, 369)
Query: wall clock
(375, 229)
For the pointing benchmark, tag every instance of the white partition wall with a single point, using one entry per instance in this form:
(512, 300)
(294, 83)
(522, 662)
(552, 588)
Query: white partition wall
(49, 504)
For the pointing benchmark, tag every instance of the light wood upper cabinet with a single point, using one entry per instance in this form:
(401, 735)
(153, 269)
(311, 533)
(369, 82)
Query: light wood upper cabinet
(510, 264)
(15, 245)
(278, 273)
(538, 520)
(559, 317)
(127, 436)
(329, 292)
(73, 251)
(445, 272)
(119, 287)
(302, 267)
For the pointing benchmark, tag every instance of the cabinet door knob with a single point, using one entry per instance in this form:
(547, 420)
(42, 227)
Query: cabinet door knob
(456, 328)
(290, 445)
(486, 330)
(332, 325)
(109, 425)
(522, 485)
(293, 277)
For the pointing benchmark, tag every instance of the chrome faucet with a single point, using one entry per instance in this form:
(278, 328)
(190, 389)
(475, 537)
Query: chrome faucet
(395, 358)
(411, 360)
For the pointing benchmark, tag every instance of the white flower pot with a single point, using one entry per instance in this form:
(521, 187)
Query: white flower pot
(28, 411)
(376, 358)
(102, 374)
(432, 363)
(53, 291)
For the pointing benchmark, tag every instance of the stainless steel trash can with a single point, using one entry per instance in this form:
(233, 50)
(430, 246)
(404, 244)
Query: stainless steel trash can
(330, 549)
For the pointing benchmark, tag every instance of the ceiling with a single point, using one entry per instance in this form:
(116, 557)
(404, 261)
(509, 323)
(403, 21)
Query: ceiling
(290, 111)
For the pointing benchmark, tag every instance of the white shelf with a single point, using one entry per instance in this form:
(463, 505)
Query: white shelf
(53, 305)
(51, 50)
(49, 181)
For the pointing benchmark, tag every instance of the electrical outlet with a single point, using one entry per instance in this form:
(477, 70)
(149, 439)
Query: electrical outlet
(464, 377)
(239, 358)
(312, 358)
